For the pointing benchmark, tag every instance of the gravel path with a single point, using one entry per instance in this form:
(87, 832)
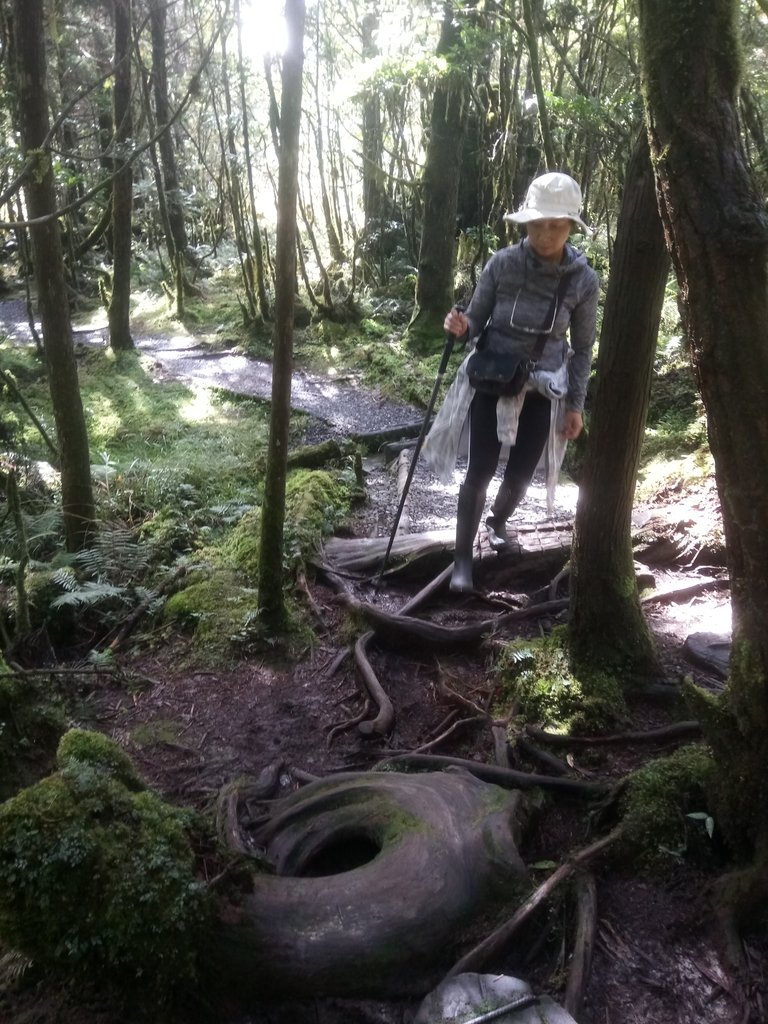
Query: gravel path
(337, 409)
(341, 408)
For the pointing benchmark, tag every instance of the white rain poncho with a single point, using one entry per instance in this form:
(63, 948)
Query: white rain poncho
(441, 446)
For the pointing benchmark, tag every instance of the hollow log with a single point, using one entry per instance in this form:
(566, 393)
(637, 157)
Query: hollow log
(379, 879)
(375, 439)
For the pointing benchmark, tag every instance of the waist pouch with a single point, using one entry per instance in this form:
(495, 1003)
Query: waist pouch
(498, 373)
(506, 373)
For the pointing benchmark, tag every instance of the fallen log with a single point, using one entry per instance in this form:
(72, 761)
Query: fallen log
(373, 440)
(584, 943)
(313, 456)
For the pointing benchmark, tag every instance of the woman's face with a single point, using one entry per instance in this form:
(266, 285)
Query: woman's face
(548, 237)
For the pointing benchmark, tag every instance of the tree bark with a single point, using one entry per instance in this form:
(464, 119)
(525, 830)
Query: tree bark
(271, 600)
(541, 100)
(717, 228)
(119, 312)
(157, 20)
(76, 491)
(434, 284)
(607, 626)
(375, 202)
(260, 282)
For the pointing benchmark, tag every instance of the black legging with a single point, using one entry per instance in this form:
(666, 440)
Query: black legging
(484, 444)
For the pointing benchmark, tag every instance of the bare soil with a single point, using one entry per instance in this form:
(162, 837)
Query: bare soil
(659, 956)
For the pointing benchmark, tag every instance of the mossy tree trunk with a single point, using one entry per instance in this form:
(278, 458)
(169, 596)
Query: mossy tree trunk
(271, 601)
(442, 168)
(717, 229)
(72, 435)
(122, 189)
(607, 627)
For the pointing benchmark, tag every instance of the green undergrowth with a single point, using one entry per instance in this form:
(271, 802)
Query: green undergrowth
(220, 604)
(536, 676)
(378, 353)
(675, 445)
(97, 874)
(665, 812)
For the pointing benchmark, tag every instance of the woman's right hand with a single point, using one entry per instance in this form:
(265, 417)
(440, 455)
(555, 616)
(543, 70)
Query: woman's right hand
(456, 323)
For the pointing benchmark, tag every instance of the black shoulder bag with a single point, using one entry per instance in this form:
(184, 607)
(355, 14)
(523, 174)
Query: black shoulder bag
(506, 373)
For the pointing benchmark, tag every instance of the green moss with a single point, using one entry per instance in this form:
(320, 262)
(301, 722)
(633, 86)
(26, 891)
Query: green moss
(316, 501)
(536, 674)
(85, 747)
(100, 879)
(214, 608)
(159, 730)
(665, 809)
(240, 549)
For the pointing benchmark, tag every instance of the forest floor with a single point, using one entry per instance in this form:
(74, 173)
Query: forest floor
(191, 728)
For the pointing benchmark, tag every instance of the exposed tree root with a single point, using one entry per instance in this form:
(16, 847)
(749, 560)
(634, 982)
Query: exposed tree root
(403, 630)
(375, 879)
(375, 693)
(493, 943)
(552, 763)
(676, 731)
(385, 717)
(301, 583)
(508, 778)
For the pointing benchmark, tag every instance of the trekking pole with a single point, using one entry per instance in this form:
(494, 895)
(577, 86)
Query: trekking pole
(450, 340)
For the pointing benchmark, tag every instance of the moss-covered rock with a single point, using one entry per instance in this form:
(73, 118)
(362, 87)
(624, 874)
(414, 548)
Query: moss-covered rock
(31, 722)
(83, 747)
(99, 878)
(536, 674)
(665, 810)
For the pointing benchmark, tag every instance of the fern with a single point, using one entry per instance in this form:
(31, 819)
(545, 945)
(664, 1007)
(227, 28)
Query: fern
(12, 967)
(90, 593)
(65, 578)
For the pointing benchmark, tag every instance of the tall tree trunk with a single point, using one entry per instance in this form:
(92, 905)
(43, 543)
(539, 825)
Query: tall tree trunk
(607, 628)
(271, 600)
(375, 204)
(541, 100)
(332, 227)
(76, 490)
(260, 282)
(434, 284)
(157, 21)
(119, 312)
(717, 228)
(234, 188)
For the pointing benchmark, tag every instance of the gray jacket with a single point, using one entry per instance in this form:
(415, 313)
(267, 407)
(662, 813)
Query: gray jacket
(516, 289)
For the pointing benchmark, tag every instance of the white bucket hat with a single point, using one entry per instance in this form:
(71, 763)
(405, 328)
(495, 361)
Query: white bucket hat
(551, 196)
